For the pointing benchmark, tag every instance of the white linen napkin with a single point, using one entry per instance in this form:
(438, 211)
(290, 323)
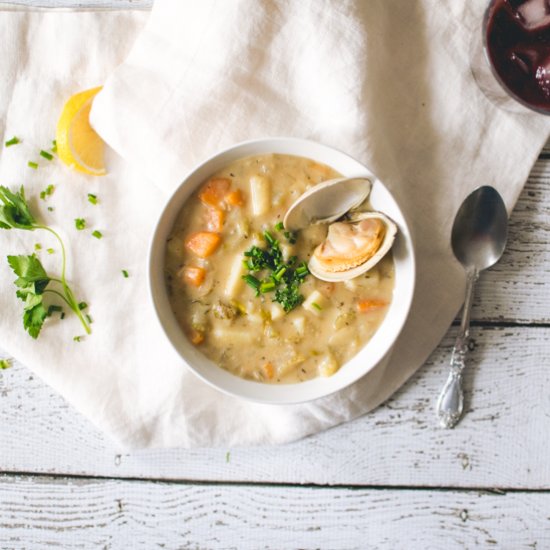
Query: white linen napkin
(388, 82)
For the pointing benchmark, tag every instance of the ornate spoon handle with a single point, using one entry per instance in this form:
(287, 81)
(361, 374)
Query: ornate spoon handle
(451, 399)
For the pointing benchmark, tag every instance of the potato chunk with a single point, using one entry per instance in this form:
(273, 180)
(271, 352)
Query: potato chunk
(315, 303)
(328, 365)
(234, 279)
(260, 192)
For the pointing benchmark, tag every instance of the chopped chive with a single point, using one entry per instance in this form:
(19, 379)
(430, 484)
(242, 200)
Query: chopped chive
(267, 286)
(53, 309)
(82, 305)
(278, 275)
(50, 250)
(32, 165)
(54, 146)
(97, 234)
(46, 155)
(92, 198)
(279, 226)
(78, 338)
(125, 274)
(302, 270)
(250, 280)
(13, 141)
(89, 319)
(80, 223)
(268, 237)
(38, 246)
(316, 306)
(290, 236)
(4, 364)
(47, 192)
(62, 315)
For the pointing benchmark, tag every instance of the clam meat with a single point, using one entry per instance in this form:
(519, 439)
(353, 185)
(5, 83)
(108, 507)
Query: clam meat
(352, 247)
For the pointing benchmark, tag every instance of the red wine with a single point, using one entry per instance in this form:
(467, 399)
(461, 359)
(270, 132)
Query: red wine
(518, 45)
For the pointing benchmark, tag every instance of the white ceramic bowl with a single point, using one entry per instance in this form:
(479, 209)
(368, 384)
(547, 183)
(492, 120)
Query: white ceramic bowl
(375, 350)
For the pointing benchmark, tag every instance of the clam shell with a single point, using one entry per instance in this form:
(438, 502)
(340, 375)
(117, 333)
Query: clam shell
(320, 271)
(326, 202)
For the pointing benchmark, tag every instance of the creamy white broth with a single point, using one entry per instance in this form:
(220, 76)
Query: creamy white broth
(251, 336)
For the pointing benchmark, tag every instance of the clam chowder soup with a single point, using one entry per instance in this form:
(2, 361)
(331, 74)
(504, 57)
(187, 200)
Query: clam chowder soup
(240, 286)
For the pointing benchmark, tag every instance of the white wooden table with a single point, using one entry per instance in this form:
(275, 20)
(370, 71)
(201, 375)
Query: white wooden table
(414, 485)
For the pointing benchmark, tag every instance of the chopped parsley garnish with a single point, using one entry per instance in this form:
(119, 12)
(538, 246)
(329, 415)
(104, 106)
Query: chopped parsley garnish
(50, 208)
(4, 364)
(80, 223)
(32, 165)
(38, 246)
(78, 338)
(50, 250)
(13, 141)
(89, 319)
(279, 226)
(46, 155)
(31, 284)
(92, 198)
(32, 280)
(97, 234)
(282, 278)
(125, 274)
(54, 146)
(47, 192)
(82, 305)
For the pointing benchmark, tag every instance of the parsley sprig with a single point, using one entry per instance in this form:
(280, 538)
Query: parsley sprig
(32, 281)
(283, 278)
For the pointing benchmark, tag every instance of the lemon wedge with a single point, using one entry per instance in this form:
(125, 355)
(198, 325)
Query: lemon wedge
(78, 144)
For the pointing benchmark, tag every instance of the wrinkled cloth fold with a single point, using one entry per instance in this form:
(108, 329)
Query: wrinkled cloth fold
(388, 82)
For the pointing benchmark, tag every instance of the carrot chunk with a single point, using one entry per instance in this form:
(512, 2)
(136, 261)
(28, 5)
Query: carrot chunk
(214, 219)
(364, 306)
(214, 191)
(234, 198)
(196, 337)
(203, 243)
(269, 371)
(193, 276)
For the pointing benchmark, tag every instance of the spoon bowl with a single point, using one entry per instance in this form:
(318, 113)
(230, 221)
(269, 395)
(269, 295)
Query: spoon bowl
(480, 229)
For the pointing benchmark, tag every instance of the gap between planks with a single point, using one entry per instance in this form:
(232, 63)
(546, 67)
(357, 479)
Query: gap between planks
(71, 478)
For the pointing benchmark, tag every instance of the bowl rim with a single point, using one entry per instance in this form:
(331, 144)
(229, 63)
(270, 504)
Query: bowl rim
(194, 360)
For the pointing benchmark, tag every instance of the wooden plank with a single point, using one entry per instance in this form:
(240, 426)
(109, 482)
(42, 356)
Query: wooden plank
(514, 290)
(502, 442)
(42, 513)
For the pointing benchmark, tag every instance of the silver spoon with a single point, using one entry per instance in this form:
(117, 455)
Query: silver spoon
(478, 239)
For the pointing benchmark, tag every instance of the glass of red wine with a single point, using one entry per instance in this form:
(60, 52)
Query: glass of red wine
(516, 47)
